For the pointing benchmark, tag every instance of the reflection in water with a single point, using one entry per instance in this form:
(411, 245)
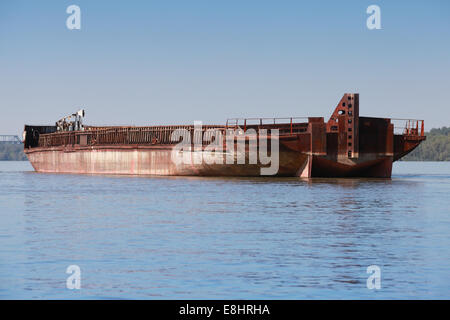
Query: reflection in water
(191, 237)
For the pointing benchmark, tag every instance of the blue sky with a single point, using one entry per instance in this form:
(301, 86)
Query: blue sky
(171, 62)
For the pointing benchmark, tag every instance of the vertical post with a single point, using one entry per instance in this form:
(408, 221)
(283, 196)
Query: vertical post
(291, 125)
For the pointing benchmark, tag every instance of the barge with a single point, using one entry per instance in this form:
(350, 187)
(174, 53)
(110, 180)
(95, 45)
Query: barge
(346, 145)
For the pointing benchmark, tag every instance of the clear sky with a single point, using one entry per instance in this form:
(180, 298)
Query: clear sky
(171, 62)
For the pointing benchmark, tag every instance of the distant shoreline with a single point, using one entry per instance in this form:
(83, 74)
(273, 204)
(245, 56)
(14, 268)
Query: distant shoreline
(12, 152)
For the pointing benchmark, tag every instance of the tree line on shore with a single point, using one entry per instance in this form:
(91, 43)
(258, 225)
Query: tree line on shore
(13, 152)
(435, 148)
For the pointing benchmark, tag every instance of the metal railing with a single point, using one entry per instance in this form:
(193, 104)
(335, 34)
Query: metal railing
(9, 139)
(410, 127)
(128, 136)
(289, 123)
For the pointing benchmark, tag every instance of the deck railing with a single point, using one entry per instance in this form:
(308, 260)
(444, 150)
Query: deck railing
(127, 136)
(285, 125)
(409, 127)
(163, 134)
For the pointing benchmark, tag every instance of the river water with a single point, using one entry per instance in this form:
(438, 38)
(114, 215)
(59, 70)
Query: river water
(217, 238)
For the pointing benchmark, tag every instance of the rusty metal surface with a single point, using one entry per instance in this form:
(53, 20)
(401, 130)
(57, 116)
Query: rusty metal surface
(150, 160)
(117, 135)
(345, 122)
